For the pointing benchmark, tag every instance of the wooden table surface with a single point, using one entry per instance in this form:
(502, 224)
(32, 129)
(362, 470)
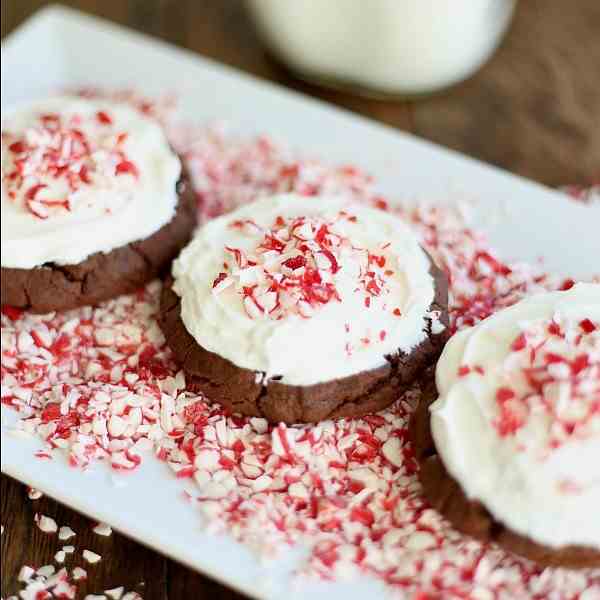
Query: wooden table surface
(534, 110)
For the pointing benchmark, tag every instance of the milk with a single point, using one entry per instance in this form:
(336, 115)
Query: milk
(392, 47)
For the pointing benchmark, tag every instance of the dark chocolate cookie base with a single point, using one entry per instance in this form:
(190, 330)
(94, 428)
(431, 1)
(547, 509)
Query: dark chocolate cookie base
(241, 391)
(102, 275)
(470, 516)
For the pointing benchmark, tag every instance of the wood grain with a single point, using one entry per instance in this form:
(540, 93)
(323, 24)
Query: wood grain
(534, 109)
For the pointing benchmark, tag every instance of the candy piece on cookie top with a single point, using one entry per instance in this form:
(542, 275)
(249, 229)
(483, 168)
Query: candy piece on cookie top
(517, 423)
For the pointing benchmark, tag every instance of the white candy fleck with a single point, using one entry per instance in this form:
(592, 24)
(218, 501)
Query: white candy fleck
(65, 533)
(91, 557)
(78, 573)
(392, 451)
(115, 593)
(46, 524)
(102, 529)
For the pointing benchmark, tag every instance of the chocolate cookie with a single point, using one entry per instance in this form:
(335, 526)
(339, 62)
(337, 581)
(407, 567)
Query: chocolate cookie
(102, 275)
(245, 391)
(470, 516)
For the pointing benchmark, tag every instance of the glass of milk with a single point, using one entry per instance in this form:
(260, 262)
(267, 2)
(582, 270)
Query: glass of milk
(398, 48)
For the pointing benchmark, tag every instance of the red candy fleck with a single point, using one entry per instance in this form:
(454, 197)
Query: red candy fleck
(17, 147)
(104, 118)
(11, 312)
(381, 203)
(504, 394)
(519, 343)
(373, 288)
(185, 472)
(580, 363)
(296, 262)
(31, 193)
(378, 260)
(362, 515)
(587, 326)
(567, 285)
(493, 263)
(219, 278)
(60, 344)
(331, 258)
(554, 329)
(126, 167)
(50, 413)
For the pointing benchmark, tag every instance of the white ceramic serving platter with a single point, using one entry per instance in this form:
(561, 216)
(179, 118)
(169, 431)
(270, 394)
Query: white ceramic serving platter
(59, 48)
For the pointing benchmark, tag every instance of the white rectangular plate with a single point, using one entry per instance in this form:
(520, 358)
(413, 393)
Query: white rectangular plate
(59, 48)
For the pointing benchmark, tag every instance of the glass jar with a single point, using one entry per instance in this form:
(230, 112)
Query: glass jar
(383, 47)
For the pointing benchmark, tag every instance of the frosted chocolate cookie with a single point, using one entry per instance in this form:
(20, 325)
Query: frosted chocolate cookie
(509, 451)
(93, 203)
(301, 309)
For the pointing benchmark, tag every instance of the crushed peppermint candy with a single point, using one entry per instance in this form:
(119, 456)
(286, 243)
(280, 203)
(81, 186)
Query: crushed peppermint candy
(45, 524)
(26, 573)
(46, 570)
(46, 583)
(553, 368)
(115, 593)
(46, 165)
(79, 573)
(293, 266)
(65, 533)
(100, 384)
(102, 529)
(91, 557)
(33, 494)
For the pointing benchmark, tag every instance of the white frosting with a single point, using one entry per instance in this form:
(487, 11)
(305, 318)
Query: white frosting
(332, 342)
(536, 469)
(111, 210)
